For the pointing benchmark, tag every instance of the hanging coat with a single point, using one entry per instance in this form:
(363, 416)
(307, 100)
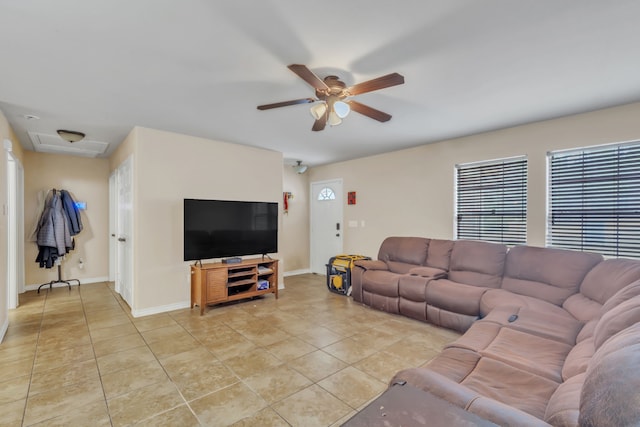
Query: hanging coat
(72, 213)
(53, 236)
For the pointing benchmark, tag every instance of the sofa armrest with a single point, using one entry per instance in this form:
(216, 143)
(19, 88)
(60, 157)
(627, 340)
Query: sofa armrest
(430, 272)
(372, 265)
(503, 415)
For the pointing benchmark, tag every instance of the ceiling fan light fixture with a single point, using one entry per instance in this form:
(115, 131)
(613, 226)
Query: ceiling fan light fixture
(341, 109)
(318, 110)
(334, 119)
(70, 135)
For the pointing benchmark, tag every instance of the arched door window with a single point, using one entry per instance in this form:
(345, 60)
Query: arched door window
(326, 194)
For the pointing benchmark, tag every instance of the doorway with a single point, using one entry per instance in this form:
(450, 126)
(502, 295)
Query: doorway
(326, 223)
(121, 230)
(15, 227)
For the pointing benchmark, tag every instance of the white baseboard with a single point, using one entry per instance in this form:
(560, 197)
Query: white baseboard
(160, 309)
(73, 283)
(3, 329)
(296, 272)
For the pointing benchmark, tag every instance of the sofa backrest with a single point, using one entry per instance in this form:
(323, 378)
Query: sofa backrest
(403, 253)
(599, 285)
(477, 263)
(617, 319)
(609, 396)
(439, 254)
(548, 274)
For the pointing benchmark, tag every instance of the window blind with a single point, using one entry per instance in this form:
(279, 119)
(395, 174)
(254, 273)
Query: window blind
(594, 200)
(491, 201)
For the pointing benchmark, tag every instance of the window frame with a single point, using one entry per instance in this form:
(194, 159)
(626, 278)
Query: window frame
(517, 235)
(589, 242)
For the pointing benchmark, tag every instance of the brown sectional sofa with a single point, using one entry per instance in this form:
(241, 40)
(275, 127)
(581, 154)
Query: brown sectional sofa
(551, 336)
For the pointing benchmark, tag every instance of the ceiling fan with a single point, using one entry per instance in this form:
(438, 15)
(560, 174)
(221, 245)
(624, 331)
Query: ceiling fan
(331, 103)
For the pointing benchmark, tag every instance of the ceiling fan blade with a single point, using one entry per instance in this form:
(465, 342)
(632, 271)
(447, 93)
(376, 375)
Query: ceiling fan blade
(321, 123)
(286, 103)
(369, 112)
(389, 80)
(308, 76)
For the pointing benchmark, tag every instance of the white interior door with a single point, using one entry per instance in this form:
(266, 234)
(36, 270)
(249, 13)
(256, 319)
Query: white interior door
(326, 223)
(124, 231)
(15, 228)
(113, 213)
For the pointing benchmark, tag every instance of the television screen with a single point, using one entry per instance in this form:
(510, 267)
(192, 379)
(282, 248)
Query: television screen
(223, 228)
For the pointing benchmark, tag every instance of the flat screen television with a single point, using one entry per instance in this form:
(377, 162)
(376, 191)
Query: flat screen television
(225, 228)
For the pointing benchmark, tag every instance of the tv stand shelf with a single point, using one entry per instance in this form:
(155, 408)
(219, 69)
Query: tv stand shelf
(217, 282)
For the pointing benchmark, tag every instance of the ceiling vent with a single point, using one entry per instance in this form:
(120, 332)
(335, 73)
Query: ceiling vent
(45, 143)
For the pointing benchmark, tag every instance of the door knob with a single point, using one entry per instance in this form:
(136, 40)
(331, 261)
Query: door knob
(121, 239)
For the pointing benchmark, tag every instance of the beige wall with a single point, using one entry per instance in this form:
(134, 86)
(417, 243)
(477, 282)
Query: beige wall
(411, 192)
(169, 167)
(295, 223)
(87, 180)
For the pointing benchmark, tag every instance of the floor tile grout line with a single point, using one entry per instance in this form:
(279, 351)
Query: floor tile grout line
(33, 364)
(95, 358)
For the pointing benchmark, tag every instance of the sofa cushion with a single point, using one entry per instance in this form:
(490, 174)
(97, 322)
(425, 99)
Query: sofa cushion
(413, 288)
(587, 330)
(531, 353)
(617, 319)
(582, 308)
(507, 384)
(563, 408)
(456, 297)
(403, 253)
(599, 285)
(449, 319)
(553, 323)
(624, 294)
(499, 297)
(477, 337)
(477, 263)
(381, 282)
(439, 254)
(608, 277)
(462, 396)
(609, 395)
(578, 359)
(454, 363)
(548, 274)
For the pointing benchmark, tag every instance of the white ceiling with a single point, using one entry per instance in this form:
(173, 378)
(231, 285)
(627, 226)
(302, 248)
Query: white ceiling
(200, 67)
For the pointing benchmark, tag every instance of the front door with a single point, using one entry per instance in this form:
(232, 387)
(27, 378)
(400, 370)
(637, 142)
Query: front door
(326, 223)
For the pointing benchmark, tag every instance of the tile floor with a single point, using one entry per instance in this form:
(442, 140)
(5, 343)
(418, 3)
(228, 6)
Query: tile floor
(310, 358)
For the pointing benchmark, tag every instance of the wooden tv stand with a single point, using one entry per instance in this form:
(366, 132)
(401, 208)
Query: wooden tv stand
(218, 282)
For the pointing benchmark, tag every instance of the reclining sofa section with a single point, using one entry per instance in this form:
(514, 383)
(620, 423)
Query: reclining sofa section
(551, 337)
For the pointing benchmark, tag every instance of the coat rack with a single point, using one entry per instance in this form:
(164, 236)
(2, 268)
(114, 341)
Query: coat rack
(59, 280)
(58, 222)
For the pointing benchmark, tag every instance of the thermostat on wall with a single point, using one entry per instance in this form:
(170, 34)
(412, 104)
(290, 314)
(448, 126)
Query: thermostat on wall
(81, 206)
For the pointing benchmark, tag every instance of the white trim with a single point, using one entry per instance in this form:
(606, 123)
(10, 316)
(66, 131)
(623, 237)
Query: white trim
(4, 328)
(160, 309)
(73, 283)
(296, 272)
